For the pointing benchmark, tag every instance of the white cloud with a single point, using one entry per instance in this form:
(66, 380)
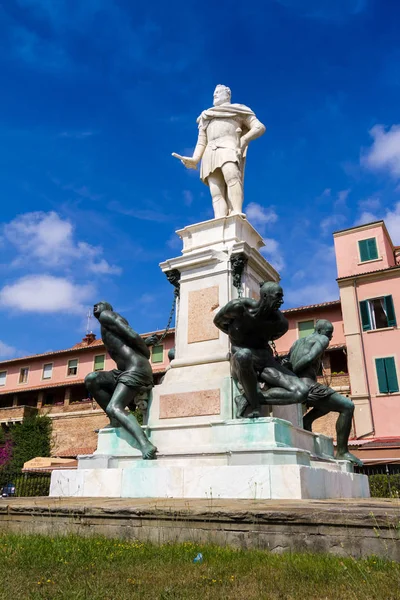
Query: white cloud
(260, 216)
(371, 203)
(391, 218)
(147, 298)
(366, 217)
(338, 206)
(154, 213)
(49, 239)
(384, 154)
(102, 267)
(312, 294)
(45, 294)
(331, 223)
(174, 242)
(342, 197)
(7, 351)
(77, 135)
(272, 252)
(319, 283)
(187, 197)
(299, 275)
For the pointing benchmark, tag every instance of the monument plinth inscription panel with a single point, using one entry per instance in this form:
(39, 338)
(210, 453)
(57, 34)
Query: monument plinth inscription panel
(201, 307)
(190, 404)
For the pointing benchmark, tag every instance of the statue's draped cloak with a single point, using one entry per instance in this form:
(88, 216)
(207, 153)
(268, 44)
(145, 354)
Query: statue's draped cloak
(223, 150)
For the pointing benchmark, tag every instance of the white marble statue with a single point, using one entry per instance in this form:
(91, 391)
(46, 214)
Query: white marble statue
(225, 131)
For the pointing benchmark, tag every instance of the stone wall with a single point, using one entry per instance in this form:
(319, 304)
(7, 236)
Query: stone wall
(76, 431)
(340, 527)
(340, 380)
(66, 408)
(16, 413)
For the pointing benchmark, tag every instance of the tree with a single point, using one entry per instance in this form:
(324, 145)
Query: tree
(30, 439)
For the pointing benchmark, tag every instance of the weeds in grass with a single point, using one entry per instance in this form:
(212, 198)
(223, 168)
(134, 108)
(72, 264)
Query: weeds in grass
(71, 567)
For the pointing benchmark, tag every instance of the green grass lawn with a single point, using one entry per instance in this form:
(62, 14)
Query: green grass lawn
(38, 567)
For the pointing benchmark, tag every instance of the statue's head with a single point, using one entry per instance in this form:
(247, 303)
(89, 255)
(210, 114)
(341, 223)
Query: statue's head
(222, 94)
(271, 296)
(324, 327)
(100, 306)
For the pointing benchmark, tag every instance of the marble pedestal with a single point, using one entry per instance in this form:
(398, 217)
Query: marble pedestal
(202, 450)
(198, 386)
(267, 458)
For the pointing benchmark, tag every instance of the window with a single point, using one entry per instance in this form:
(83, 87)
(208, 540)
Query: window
(368, 249)
(377, 313)
(338, 361)
(157, 354)
(3, 377)
(387, 376)
(72, 366)
(99, 362)
(48, 399)
(305, 328)
(23, 375)
(47, 371)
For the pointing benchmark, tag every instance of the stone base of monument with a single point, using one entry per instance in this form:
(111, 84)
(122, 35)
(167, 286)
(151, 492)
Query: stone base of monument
(267, 458)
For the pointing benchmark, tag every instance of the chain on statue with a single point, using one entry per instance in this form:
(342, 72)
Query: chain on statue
(274, 350)
(173, 277)
(171, 316)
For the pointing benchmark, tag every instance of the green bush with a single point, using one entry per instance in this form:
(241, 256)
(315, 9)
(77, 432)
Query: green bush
(139, 415)
(379, 486)
(31, 438)
(3, 436)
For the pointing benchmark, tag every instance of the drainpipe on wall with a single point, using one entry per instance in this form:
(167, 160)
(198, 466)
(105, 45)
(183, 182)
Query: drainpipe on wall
(364, 361)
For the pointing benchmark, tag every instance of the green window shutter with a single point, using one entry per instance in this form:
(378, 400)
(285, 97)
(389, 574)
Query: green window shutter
(391, 375)
(365, 318)
(157, 354)
(372, 248)
(368, 249)
(305, 328)
(389, 307)
(99, 363)
(381, 373)
(362, 244)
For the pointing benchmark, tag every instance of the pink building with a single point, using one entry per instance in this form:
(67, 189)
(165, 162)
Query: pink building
(369, 284)
(53, 384)
(362, 360)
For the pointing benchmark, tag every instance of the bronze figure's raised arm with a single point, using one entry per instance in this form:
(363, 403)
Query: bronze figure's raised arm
(115, 390)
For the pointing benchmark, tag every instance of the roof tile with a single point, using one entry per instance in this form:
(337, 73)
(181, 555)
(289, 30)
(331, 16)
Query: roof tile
(312, 306)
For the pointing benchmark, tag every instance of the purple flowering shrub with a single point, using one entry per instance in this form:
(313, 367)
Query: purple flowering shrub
(5, 452)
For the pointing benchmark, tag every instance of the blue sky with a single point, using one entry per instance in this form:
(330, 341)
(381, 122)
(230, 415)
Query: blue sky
(97, 94)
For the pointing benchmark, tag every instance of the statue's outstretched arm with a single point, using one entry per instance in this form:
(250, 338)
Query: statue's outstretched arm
(116, 324)
(191, 162)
